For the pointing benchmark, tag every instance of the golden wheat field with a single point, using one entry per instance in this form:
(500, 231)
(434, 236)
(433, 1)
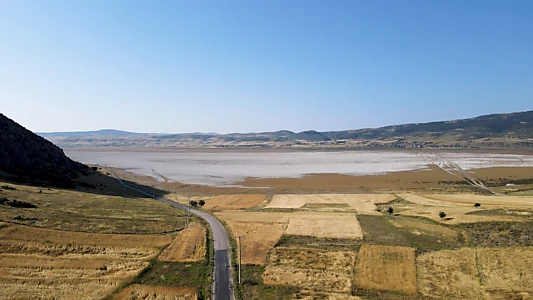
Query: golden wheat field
(362, 203)
(146, 292)
(311, 269)
(234, 202)
(188, 246)
(258, 239)
(389, 268)
(449, 274)
(48, 264)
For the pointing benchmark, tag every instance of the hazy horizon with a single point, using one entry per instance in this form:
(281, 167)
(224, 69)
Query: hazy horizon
(245, 66)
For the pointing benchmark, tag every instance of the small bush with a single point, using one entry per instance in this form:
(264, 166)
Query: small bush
(16, 203)
(442, 215)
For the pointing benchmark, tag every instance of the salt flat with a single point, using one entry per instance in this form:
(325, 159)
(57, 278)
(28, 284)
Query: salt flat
(228, 168)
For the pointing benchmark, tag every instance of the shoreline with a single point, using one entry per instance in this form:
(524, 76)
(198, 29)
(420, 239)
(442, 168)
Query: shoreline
(291, 150)
(432, 179)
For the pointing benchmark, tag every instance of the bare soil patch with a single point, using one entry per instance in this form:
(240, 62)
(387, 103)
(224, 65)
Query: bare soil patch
(389, 268)
(188, 246)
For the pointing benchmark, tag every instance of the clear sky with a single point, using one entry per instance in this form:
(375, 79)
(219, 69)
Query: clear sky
(241, 66)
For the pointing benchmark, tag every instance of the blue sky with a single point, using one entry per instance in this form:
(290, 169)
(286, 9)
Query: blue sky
(241, 66)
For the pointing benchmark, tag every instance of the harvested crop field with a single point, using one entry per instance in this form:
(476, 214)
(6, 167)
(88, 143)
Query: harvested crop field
(390, 268)
(311, 269)
(449, 274)
(234, 202)
(319, 224)
(258, 240)
(362, 203)
(506, 269)
(188, 246)
(490, 273)
(328, 225)
(469, 200)
(147, 292)
(255, 217)
(41, 263)
(33, 234)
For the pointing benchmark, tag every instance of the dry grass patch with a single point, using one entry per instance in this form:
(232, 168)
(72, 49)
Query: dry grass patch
(420, 227)
(234, 202)
(188, 246)
(259, 239)
(312, 295)
(506, 269)
(362, 203)
(389, 268)
(147, 292)
(311, 269)
(449, 274)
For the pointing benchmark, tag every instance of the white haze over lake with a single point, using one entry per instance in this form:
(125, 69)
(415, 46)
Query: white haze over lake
(228, 168)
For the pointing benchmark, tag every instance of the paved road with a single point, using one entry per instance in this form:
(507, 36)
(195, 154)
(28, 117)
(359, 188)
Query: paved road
(223, 280)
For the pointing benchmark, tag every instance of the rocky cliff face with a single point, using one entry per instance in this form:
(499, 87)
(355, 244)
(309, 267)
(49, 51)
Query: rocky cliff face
(25, 156)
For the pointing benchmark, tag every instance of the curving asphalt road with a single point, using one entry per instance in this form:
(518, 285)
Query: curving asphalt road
(223, 280)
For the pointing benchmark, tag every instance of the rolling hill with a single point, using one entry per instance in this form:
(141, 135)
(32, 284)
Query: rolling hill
(509, 130)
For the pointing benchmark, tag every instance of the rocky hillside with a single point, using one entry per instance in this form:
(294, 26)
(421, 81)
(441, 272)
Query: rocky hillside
(27, 157)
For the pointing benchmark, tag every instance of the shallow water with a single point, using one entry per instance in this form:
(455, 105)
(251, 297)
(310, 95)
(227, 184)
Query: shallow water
(227, 168)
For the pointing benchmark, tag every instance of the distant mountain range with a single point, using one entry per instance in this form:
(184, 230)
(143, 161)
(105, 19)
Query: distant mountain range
(490, 131)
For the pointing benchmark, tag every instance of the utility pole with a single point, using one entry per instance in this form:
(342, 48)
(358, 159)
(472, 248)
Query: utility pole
(187, 222)
(240, 256)
(189, 204)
